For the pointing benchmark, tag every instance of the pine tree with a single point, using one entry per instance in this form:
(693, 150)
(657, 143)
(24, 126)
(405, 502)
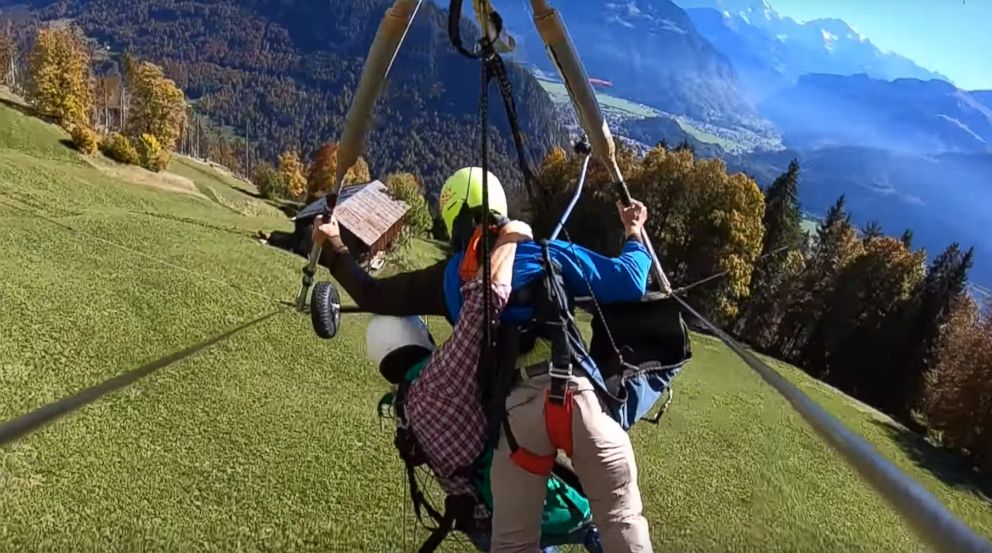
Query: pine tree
(781, 260)
(61, 84)
(685, 146)
(872, 230)
(907, 238)
(836, 245)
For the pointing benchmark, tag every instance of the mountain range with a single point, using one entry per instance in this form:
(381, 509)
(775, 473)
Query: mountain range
(649, 51)
(770, 51)
(906, 115)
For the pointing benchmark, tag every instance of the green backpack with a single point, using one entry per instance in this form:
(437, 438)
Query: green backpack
(565, 509)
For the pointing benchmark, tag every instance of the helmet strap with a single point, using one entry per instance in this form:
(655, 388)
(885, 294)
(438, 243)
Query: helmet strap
(462, 228)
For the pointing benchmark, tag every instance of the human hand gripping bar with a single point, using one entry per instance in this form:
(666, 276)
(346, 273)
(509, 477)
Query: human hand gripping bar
(388, 39)
(562, 52)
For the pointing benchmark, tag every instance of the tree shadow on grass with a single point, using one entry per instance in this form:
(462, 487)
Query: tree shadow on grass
(22, 108)
(29, 111)
(950, 467)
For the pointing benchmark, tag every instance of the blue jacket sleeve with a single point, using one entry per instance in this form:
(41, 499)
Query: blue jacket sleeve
(612, 279)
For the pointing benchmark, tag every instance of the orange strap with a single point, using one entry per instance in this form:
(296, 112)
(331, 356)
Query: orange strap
(470, 263)
(558, 422)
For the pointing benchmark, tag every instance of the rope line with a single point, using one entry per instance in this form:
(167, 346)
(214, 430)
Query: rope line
(139, 253)
(715, 276)
(930, 518)
(37, 418)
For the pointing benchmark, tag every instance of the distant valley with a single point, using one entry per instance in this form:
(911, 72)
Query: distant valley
(905, 146)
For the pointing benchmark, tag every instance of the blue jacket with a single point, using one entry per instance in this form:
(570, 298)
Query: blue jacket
(612, 279)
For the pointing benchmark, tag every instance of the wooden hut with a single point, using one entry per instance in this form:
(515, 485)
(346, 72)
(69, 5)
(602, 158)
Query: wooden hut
(370, 218)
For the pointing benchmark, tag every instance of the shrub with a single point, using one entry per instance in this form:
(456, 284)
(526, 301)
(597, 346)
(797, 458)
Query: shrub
(151, 154)
(85, 139)
(404, 187)
(118, 148)
(269, 182)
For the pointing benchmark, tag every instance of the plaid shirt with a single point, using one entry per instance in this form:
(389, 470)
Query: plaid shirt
(443, 404)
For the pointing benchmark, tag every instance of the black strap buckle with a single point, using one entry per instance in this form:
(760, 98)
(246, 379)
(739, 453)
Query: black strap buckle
(561, 378)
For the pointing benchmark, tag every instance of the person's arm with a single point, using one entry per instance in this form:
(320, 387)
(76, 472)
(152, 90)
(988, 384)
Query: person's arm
(452, 366)
(414, 293)
(612, 279)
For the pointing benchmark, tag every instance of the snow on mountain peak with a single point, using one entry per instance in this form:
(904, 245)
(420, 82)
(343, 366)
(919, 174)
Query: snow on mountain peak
(828, 40)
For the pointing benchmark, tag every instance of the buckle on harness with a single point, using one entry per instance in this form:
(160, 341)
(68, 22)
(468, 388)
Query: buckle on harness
(560, 380)
(558, 373)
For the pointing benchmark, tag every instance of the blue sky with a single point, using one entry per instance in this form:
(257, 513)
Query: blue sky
(953, 37)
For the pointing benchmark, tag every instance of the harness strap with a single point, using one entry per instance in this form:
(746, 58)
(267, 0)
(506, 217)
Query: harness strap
(454, 29)
(540, 465)
(558, 400)
(417, 496)
(444, 527)
(498, 69)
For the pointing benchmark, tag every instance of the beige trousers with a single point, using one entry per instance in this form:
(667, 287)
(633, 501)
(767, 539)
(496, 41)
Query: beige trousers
(603, 459)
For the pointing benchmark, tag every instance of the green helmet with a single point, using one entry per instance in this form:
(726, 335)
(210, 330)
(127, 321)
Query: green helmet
(464, 188)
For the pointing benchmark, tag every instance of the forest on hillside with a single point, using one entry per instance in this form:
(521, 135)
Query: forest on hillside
(282, 72)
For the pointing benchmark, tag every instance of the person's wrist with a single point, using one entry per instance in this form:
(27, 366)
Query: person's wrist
(337, 244)
(633, 231)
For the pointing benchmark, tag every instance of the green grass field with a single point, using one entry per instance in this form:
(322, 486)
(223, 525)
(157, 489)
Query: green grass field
(269, 441)
(559, 94)
(703, 136)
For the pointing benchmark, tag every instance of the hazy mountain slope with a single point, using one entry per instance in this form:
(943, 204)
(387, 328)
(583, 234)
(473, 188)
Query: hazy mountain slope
(904, 115)
(649, 51)
(943, 198)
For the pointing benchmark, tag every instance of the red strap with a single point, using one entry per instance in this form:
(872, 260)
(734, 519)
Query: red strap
(535, 464)
(558, 420)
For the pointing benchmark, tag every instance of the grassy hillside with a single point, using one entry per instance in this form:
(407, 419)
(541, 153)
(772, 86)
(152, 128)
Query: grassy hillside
(269, 441)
